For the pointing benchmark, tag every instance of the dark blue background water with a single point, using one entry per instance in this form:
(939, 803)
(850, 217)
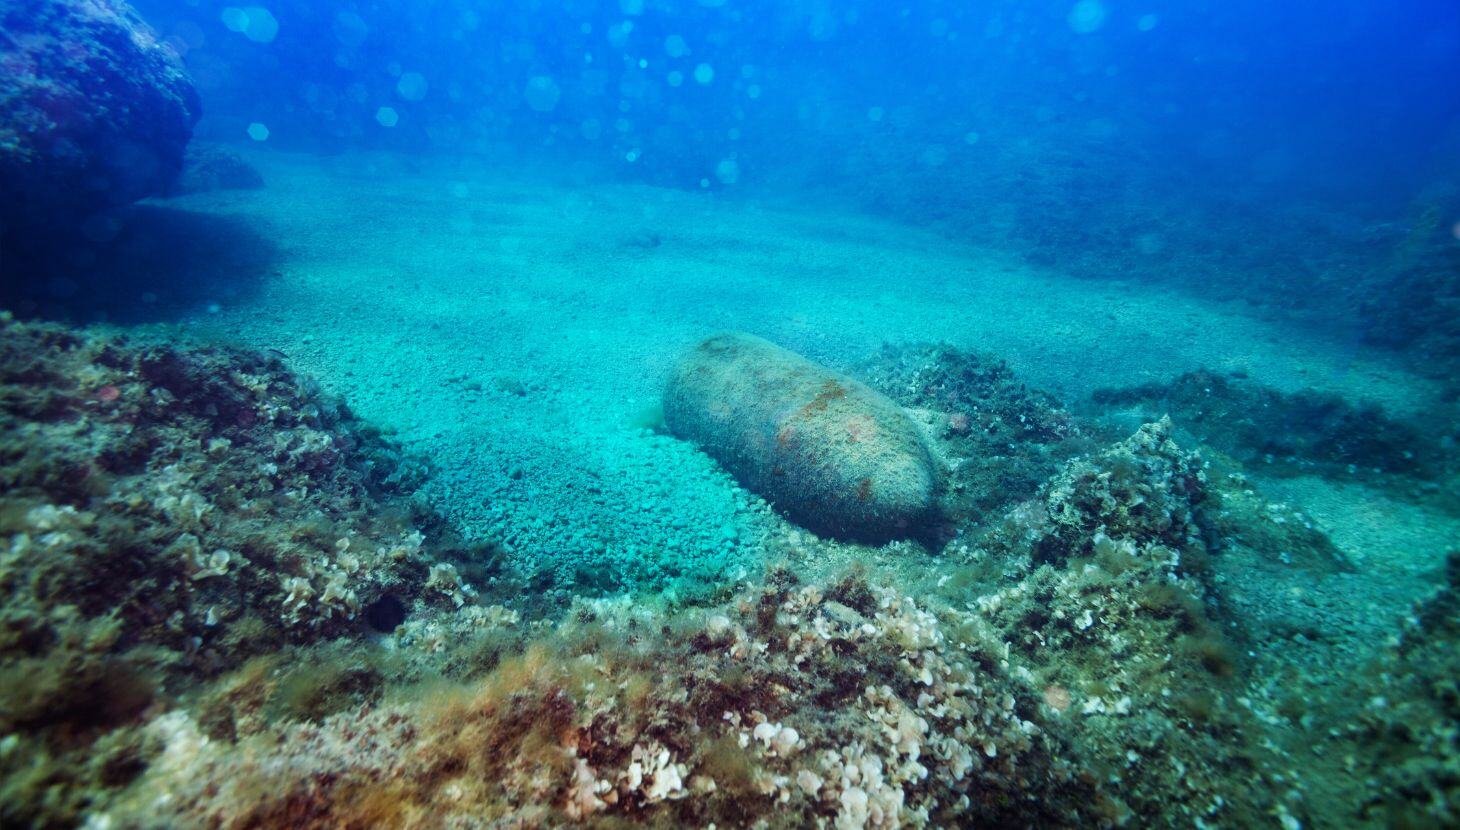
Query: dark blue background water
(1300, 157)
(1338, 97)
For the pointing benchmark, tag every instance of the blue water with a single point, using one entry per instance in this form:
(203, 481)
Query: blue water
(1354, 99)
(1296, 145)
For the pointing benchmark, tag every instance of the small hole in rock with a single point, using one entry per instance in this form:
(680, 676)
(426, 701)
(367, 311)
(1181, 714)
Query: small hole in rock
(385, 614)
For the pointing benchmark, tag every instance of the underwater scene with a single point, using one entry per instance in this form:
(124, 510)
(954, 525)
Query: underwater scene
(729, 414)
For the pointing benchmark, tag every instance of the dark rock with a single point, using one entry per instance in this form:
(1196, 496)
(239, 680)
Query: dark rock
(1001, 439)
(1296, 433)
(1145, 489)
(212, 167)
(94, 111)
(1413, 306)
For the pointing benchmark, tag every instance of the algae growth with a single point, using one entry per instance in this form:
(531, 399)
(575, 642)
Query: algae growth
(1085, 455)
(281, 634)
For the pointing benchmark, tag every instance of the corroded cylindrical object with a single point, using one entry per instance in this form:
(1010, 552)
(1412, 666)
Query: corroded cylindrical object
(829, 452)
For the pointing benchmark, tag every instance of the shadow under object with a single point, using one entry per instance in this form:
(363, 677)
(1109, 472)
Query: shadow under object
(136, 265)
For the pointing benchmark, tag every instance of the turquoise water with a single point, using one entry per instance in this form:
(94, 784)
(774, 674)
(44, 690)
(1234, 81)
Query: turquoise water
(342, 485)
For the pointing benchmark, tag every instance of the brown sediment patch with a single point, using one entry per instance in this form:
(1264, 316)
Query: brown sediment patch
(830, 391)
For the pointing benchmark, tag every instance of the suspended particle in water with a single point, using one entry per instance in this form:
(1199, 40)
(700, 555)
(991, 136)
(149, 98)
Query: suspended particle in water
(387, 116)
(822, 26)
(675, 78)
(234, 19)
(258, 132)
(704, 73)
(188, 35)
(631, 7)
(261, 26)
(411, 86)
(971, 137)
(632, 155)
(752, 91)
(542, 93)
(727, 171)
(618, 34)
(350, 29)
(874, 114)
(675, 47)
(1087, 16)
(1146, 22)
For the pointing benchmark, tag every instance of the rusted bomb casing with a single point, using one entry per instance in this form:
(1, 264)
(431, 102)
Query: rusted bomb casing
(829, 452)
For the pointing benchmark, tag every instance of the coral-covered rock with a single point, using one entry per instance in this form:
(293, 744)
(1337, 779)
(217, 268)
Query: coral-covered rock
(1294, 433)
(849, 704)
(133, 484)
(999, 438)
(1412, 304)
(167, 513)
(1143, 488)
(94, 111)
(833, 454)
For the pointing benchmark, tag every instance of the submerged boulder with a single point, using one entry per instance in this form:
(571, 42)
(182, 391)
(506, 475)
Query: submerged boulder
(94, 111)
(209, 167)
(829, 452)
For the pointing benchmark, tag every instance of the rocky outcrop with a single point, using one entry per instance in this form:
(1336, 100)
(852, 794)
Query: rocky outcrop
(210, 167)
(95, 112)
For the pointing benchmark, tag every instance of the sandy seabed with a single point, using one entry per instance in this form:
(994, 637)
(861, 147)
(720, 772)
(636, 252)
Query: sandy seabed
(518, 334)
(572, 616)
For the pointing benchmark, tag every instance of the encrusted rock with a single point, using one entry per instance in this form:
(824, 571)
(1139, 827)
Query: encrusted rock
(828, 451)
(94, 110)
